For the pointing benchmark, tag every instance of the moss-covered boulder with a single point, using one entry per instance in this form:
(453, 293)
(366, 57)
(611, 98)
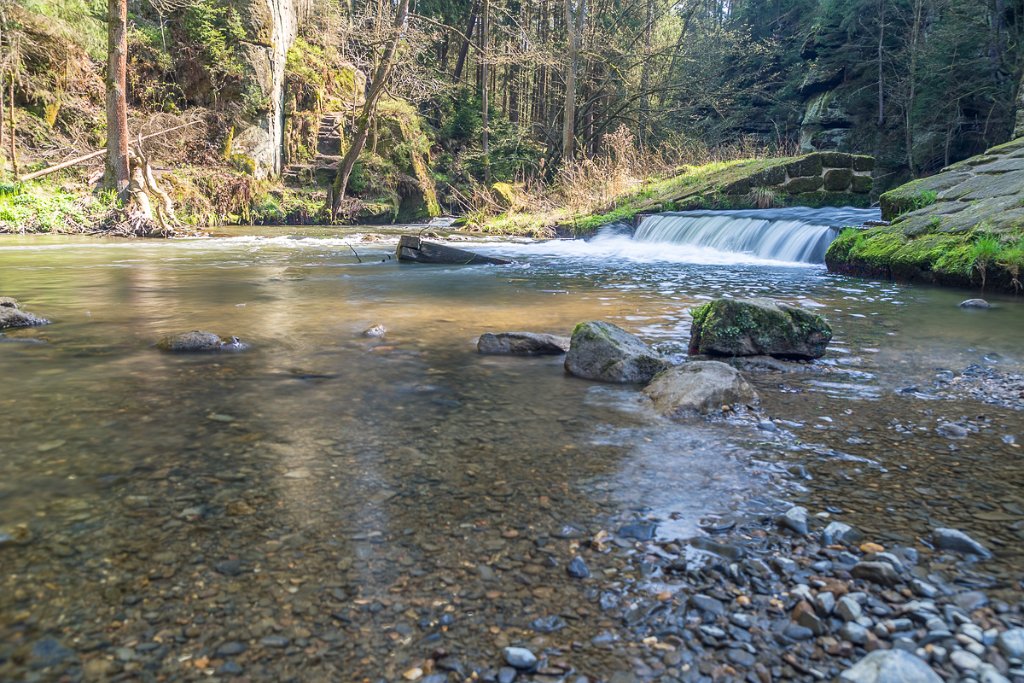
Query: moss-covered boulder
(758, 327)
(607, 353)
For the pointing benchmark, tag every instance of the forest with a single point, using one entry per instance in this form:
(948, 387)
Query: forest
(312, 111)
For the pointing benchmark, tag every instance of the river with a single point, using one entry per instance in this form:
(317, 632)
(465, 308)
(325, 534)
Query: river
(339, 507)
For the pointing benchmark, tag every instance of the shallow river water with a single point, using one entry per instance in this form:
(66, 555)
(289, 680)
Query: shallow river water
(330, 506)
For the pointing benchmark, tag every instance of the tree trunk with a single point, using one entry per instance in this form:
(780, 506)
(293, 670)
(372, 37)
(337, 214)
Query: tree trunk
(460, 63)
(484, 88)
(881, 65)
(1018, 130)
(117, 106)
(10, 109)
(373, 95)
(574, 26)
(915, 39)
(645, 79)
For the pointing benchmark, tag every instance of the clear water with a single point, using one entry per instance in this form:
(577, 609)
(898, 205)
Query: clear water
(368, 488)
(797, 234)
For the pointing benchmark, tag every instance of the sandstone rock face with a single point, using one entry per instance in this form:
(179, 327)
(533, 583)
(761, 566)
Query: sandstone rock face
(700, 388)
(522, 344)
(607, 353)
(753, 327)
(271, 27)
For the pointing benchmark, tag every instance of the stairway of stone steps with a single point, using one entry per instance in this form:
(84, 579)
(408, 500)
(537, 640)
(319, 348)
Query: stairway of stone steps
(324, 165)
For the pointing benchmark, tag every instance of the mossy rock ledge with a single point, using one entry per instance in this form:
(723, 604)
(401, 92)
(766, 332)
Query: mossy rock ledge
(936, 223)
(758, 327)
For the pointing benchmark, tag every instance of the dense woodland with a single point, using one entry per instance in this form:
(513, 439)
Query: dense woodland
(379, 103)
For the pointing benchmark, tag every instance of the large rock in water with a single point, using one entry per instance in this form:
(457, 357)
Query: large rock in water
(754, 327)
(701, 388)
(890, 666)
(412, 248)
(607, 353)
(522, 344)
(197, 341)
(12, 316)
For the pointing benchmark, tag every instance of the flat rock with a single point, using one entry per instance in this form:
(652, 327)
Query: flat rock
(605, 352)
(700, 388)
(413, 249)
(198, 341)
(890, 666)
(522, 344)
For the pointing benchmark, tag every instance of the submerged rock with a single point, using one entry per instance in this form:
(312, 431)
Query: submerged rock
(12, 316)
(197, 341)
(377, 331)
(8, 302)
(752, 327)
(890, 666)
(522, 344)
(975, 303)
(520, 658)
(700, 387)
(607, 353)
(413, 249)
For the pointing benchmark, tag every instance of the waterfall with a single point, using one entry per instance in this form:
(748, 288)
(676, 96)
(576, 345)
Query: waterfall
(795, 235)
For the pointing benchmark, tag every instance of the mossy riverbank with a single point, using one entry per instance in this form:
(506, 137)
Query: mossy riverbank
(819, 179)
(963, 227)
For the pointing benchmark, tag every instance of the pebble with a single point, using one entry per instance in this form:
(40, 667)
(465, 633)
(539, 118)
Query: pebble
(795, 519)
(964, 660)
(854, 632)
(506, 674)
(1011, 643)
(706, 603)
(230, 649)
(577, 568)
(274, 641)
(848, 609)
(876, 572)
(520, 658)
(838, 532)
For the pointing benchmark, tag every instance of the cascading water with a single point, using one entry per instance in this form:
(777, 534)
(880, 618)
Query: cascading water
(797, 234)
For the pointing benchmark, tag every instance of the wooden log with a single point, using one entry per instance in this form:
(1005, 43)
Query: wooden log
(415, 250)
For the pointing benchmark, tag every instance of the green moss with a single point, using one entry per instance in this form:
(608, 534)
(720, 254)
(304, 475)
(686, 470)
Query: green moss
(906, 198)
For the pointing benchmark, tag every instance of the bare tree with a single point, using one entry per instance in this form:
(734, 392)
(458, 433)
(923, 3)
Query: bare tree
(368, 113)
(118, 175)
(575, 16)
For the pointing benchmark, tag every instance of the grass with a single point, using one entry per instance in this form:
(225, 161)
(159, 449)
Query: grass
(47, 207)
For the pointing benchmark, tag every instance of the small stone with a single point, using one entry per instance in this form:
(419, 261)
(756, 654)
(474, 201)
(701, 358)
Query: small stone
(47, 652)
(506, 674)
(964, 660)
(413, 674)
(989, 674)
(848, 609)
(890, 666)
(640, 531)
(377, 332)
(198, 341)
(706, 603)
(230, 649)
(958, 541)
(837, 532)
(854, 632)
(1011, 643)
(825, 603)
(230, 669)
(741, 657)
(795, 520)
(229, 567)
(877, 572)
(274, 641)
(869, 548)
(577, 568)
(520, 658)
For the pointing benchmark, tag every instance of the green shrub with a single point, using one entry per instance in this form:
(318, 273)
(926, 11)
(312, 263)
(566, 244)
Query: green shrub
(984, 252)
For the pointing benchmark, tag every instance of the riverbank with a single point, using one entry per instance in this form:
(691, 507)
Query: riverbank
(814, 180)
(963, 227)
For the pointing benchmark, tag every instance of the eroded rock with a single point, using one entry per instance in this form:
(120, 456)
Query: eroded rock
(11, 316)
(605, 352)
(700, 388)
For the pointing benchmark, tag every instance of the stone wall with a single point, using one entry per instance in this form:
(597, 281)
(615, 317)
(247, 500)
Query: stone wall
(813, 177)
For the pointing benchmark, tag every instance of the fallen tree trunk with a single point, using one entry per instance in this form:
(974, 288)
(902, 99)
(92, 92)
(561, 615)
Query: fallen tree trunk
(411, 248)
(90, 156)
